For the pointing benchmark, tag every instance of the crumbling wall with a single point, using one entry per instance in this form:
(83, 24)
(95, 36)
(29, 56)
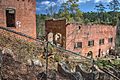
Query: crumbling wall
(84, 33)
(58, 28)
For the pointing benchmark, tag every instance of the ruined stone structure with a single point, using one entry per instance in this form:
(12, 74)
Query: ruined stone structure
(19, 15)
(56, 32)
(95, 40)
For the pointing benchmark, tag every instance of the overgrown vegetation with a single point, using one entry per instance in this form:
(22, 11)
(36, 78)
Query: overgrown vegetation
(22, 49)
(109, 63)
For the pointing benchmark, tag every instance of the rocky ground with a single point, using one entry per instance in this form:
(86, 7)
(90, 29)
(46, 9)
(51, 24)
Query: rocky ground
(21, 60)
(15, 70)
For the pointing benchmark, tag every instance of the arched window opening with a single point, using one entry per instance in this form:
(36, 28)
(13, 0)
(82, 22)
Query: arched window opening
(90, 54)
(50, 37)
(58, 39)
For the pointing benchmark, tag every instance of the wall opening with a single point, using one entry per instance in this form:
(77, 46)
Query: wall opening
(58, 39)
(90, 54)
(10, 17)
(78, 45)
(99, 52)
(50, 37)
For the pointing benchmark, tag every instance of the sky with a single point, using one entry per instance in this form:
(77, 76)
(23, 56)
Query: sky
(84, 5)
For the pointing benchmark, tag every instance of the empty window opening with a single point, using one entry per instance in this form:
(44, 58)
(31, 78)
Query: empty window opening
(99, 52)
(78, 45)
(110, 40)
(10, 17)
(101, 41)
(79, 27)
(91, 43)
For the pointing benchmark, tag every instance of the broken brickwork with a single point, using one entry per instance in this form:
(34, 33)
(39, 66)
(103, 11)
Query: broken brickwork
(95, 39)
(55, 29)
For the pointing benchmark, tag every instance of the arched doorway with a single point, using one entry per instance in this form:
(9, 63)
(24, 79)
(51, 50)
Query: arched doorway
(58, 39)
(50, 37)
(90, 54)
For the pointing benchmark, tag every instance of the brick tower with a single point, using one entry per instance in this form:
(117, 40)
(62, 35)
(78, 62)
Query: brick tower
(19, 15)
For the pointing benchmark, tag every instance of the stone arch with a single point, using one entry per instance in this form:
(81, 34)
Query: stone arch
(111, 51)
(50, 37)
(90, 54)
(58, 39)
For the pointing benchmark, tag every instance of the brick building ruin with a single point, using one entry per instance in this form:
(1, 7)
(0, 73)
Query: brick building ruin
(19, 15)
(83, 39)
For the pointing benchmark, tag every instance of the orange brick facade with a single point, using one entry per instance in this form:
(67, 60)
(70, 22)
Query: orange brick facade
(25, 15)
(75, 33)
(85, 33)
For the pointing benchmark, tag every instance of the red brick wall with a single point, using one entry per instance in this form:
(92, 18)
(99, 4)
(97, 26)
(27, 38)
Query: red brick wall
(73, 33)
(56, 26)
(25, 13)
(96, 32)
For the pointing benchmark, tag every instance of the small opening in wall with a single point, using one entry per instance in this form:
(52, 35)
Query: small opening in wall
(10, 17)
(99, 52)
(90, 54)
(17, 0)
(79, 27)
(23, 0)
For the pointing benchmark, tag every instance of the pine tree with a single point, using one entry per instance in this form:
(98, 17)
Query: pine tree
(114, 5)
(70, 10)
(101, 9)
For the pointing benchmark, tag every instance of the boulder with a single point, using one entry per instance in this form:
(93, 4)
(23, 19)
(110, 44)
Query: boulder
(64, 70)
(86, 75)
(35, 62)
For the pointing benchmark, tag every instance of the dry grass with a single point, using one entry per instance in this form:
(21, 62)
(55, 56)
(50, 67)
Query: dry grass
(22, 49)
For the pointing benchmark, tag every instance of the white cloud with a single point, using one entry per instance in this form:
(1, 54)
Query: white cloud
(38, 9)
(52, 3)
(62, 1)
(80, 1)
(45, 2)
(48, 3)
(47, 6)
(83, 1)
(104, 1)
